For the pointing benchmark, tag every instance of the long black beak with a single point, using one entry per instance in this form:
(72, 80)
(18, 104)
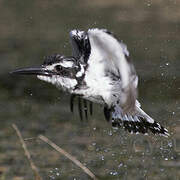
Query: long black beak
(33, 71)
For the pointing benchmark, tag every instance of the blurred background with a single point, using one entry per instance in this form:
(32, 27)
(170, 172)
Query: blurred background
(30, 30)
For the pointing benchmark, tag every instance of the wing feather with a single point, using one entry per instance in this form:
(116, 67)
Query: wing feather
(110, 55)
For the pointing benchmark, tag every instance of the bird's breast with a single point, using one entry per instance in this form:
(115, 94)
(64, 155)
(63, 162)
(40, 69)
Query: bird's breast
(98, 88)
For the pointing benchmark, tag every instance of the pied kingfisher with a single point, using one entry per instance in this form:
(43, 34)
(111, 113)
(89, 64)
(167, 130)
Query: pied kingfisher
(100, 70)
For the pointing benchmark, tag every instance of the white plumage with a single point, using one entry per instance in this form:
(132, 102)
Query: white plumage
(108, 56)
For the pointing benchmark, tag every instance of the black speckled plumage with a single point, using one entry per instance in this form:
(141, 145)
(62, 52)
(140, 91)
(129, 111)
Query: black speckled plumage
(54, 58)
(142, 126)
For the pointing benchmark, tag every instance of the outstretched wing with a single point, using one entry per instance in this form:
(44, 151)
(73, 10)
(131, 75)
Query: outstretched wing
(112, 56)
(80, 45)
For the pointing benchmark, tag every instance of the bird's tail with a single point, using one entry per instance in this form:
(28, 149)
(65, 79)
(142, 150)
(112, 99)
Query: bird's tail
(139, 122)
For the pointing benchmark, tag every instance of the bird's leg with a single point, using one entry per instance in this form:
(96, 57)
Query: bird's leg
(72, 98)
(107, 113)
(85, 108)
(91, 108)
(80, 108)
(72, 102)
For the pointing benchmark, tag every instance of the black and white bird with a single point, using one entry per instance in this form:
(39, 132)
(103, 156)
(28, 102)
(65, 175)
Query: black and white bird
(100, 70)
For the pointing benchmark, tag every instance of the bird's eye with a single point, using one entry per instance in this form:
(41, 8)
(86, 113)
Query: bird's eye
(58, 68)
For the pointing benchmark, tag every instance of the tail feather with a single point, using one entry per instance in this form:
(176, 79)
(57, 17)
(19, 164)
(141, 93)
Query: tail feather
(139, 122)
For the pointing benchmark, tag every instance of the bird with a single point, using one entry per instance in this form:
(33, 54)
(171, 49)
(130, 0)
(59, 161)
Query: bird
(101, 71)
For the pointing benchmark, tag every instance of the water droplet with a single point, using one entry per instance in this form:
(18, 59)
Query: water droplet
(161, 169)
(110, 133)
(170, 144)
(114, 173)
(102, 158)
(120, 165)
(97, 149)
(106, 150)
(52, 177)
(93, 143)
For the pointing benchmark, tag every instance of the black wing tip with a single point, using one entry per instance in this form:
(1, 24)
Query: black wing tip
(142, 127)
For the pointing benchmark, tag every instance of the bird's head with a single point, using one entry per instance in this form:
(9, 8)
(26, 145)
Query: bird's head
(61, 71)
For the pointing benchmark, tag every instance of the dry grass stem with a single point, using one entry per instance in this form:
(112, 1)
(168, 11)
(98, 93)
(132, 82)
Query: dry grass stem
(27, 154)
(73, 159)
